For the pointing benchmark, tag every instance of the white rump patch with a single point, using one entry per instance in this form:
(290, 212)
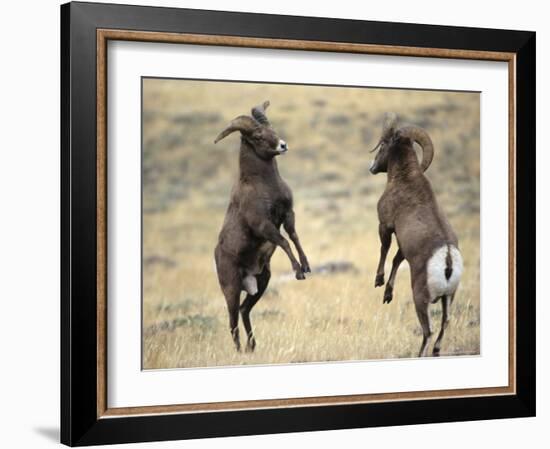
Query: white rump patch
(250, 284)
(438, 284)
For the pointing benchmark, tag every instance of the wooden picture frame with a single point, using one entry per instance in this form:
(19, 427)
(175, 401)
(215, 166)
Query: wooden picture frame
(86, 29)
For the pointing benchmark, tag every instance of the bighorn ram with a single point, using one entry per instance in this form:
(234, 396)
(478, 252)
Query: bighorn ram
(260, 203)
(425, 238)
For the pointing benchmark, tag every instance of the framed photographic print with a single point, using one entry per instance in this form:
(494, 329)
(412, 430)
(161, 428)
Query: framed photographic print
(277, 224)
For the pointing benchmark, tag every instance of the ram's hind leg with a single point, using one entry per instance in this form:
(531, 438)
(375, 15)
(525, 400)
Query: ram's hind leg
(230, 281)
(232, 297)
(262, 280)
(422, 301)
(445, 306)
(425, 321)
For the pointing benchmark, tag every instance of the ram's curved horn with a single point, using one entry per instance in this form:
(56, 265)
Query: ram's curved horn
(388, 128)
(243, 123)
(421, 137)
(258, 112)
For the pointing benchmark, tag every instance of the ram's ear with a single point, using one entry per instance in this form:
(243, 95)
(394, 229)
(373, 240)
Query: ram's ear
(377, 146)
(243, 123)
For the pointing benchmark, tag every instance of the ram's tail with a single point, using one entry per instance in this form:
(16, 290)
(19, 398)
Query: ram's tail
(448, 264)
(444, 270)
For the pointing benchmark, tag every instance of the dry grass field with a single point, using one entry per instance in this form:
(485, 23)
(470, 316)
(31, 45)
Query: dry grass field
(330, 316)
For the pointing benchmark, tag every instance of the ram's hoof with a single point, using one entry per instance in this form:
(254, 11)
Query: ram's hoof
(300, 275)
(251, 345)
(388, 296)
(379, 281)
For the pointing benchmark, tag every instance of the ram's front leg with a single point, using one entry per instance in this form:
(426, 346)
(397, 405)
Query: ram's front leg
(289, 225)
(385, 241)
(388, 292)
(267, 230)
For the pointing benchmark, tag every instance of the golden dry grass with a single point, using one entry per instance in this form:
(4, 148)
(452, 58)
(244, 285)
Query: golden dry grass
(187, 180)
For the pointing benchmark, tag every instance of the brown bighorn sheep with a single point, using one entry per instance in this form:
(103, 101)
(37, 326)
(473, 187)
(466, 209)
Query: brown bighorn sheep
(409, 209)
(260, 203)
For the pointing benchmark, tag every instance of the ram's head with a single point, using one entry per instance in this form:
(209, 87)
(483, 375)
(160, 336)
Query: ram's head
(257, 132)
(392, 137)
